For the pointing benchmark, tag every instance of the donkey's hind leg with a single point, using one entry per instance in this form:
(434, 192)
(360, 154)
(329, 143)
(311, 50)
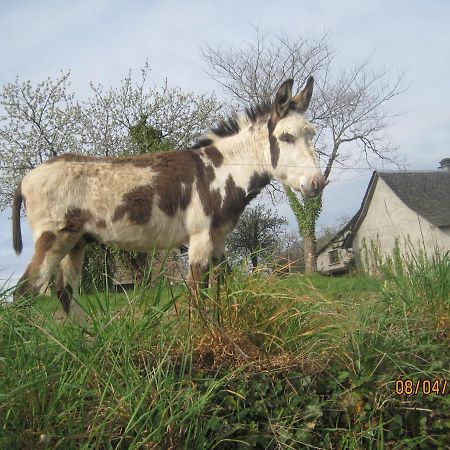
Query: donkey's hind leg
(68, 279)
(49, 249)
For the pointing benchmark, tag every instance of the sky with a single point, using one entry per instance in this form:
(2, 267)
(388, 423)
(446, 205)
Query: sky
(101, 40)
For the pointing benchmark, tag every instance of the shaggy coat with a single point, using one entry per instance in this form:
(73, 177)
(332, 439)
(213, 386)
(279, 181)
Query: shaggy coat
(163, 200)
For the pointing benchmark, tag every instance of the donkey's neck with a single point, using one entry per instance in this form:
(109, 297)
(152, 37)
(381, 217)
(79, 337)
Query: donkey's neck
(246, 151)
(244, 168)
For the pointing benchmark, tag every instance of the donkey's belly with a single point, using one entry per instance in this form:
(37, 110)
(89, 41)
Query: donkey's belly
(145, 238)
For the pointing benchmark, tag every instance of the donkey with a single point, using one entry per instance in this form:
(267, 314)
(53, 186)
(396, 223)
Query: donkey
(163, 200)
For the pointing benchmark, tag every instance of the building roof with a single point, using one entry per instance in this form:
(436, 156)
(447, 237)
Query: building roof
(426, 192)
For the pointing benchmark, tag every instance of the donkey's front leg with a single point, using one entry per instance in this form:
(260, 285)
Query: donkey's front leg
(200, 252)
(219, 263)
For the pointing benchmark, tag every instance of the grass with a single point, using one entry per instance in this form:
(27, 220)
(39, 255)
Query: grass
(273, 362)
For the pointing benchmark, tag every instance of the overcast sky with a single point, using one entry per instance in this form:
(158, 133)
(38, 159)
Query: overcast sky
(101, 40)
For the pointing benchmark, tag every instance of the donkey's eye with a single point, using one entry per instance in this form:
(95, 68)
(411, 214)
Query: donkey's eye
(286, 137)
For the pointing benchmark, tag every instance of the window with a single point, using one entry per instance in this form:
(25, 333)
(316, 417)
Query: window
(333, 255)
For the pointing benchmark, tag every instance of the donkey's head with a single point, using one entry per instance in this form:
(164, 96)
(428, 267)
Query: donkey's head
(293, 157)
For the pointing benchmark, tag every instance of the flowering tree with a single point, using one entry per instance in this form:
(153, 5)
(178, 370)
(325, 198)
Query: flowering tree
(40, 121)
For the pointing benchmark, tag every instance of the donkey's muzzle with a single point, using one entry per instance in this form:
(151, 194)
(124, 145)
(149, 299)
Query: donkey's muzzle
(313, 186)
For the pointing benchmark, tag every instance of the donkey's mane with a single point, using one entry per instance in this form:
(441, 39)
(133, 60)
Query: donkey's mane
(232, 125)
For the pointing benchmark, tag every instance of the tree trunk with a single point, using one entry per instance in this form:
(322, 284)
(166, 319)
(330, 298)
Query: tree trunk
(306, 214)
(309, 246)
(254, 260)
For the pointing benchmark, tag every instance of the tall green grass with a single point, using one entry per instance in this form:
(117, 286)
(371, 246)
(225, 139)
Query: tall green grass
(417, 277)
(268, 362)
(118, 382)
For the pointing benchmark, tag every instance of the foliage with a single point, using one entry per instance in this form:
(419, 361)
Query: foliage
(306, 214)
(36, 123)
(271, 363)
(98, 268)
(256, 235)
(148, 139)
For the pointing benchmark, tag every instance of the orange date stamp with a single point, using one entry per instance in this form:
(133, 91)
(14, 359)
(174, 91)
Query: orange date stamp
(421, 386)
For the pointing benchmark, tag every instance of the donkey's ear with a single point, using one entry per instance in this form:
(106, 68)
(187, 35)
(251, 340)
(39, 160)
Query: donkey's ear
(303, 98)
(283, 98)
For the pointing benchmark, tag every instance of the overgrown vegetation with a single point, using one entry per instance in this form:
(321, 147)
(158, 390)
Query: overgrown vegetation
(273, 362)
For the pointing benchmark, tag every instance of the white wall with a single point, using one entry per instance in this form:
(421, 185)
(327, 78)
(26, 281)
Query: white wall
(323, 260)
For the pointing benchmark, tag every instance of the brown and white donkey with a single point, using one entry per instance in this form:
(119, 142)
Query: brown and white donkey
(163, 200)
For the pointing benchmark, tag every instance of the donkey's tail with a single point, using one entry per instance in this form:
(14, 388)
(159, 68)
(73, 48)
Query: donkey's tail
(17, 232)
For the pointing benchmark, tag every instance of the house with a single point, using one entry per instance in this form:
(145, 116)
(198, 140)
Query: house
(334, 258)
(409, 209)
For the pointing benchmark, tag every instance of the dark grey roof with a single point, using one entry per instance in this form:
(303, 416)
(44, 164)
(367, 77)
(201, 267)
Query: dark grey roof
(426, 193)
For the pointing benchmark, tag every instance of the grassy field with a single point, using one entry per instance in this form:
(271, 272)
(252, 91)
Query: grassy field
(272, 362)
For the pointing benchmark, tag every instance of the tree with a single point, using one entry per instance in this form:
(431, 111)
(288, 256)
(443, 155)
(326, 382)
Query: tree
(349, 107)
(256, 235)
(39, 121)
(36, 122)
